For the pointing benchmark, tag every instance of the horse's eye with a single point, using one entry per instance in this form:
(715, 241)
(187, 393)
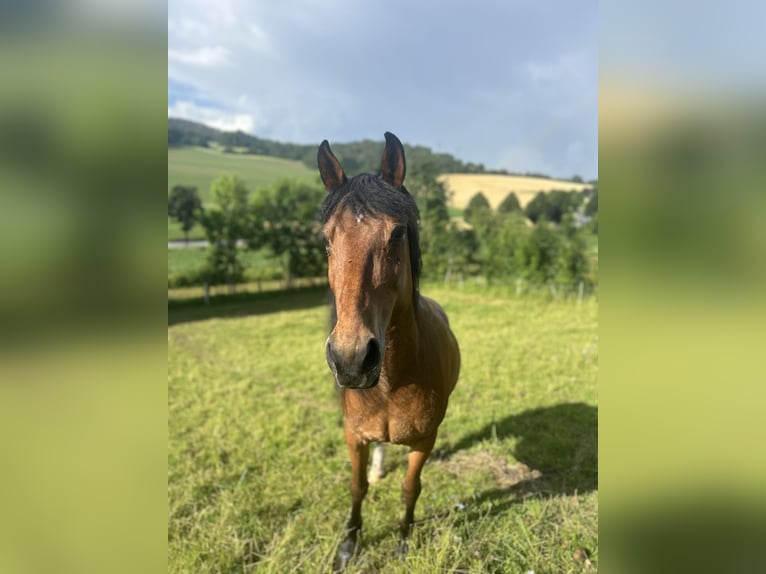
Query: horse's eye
(397, 235)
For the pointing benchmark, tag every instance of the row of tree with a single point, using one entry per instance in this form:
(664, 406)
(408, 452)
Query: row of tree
(545, 243)
(280, 218)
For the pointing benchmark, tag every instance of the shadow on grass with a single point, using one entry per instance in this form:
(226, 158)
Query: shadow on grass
(560, 441)
(246, 304)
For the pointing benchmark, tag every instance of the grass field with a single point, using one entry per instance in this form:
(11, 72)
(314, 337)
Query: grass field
(258, 470)
(464, 186)
(193, 259)
(199, 167)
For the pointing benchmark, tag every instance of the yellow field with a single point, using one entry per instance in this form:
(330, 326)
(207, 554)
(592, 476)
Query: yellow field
(463, 186)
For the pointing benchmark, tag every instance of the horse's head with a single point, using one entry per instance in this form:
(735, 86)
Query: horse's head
(370, 226)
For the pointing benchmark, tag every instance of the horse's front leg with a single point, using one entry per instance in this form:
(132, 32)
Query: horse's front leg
(410, 493)
(376, 468)
(359, 453)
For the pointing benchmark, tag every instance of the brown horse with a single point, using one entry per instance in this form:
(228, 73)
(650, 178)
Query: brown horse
(391, 350)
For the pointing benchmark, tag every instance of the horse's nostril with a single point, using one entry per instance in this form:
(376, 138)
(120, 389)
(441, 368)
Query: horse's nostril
(331, 356)
(372, 357)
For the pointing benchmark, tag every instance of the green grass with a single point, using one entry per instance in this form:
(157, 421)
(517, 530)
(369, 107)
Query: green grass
(199, 167)
(192, 259)
(176, 233)
(258, 470)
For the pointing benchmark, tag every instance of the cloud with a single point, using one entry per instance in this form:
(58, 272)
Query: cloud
(202, 57)
(305, 70)
(565, 69)
(219, 119)
(526, 158)
(187, 29)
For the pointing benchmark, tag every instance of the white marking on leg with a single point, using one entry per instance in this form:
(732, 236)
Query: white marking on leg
(376, 468)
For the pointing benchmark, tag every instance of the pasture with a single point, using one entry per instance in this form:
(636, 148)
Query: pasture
(257, 465)
(258, 264)
(200, 166)
(463, 186)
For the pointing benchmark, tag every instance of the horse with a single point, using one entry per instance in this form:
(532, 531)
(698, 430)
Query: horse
(391, 351)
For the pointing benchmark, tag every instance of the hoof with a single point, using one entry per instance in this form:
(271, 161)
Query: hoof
(402, 548)
(345, 552)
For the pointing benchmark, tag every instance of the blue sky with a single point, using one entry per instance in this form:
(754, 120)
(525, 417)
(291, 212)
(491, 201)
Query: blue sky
(509, 84)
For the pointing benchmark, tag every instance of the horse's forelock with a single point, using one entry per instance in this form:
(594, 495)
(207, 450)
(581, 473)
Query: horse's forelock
(369, 195)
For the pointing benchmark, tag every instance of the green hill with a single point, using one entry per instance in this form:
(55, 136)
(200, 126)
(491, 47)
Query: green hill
(200, 166)
(355, 156)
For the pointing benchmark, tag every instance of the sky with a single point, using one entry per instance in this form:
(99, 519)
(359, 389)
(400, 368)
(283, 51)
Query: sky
(512, 85)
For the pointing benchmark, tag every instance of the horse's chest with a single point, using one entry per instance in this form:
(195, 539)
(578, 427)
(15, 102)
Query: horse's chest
(404, 419)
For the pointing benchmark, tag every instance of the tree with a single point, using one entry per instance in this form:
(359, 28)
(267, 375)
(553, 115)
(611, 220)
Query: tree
(504, 240)
(552, 205)
(431, 198)
(224, 227)
(185, 206)
(538, 254)
(573, 264)
(510, 204)
(537, 208)
(285, 220)
(477, 206)
(591, 208)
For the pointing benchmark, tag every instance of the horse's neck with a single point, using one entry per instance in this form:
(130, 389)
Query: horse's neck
(401, 342)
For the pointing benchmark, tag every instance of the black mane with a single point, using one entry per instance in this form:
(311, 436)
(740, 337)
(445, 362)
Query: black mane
(368, 194)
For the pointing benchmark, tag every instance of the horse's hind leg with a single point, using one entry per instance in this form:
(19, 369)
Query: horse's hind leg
(376, 468)
(410, 493)
(359, 454)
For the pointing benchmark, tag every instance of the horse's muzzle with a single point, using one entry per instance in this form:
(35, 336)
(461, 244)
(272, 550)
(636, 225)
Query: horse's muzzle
(358, 368)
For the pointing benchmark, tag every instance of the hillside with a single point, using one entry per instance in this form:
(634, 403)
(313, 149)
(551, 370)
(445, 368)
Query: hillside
(463, 186)
(200, 166)
(356, 156)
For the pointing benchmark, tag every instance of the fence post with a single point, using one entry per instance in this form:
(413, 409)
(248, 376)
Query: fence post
(207, 293)
(579, 294)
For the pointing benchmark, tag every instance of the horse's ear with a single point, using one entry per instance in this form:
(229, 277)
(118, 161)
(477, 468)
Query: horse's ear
(330, 169)
(392, 165)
